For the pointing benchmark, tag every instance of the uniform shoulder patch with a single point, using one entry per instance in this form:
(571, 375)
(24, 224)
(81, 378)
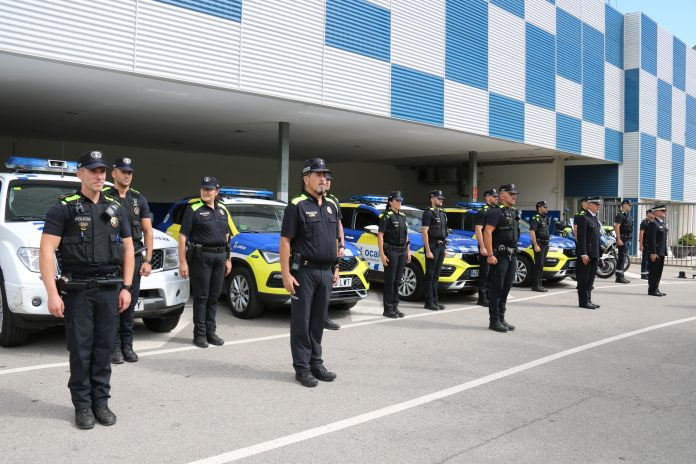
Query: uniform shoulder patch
(195, 205)
(111, 199)
(298, 198)
(134, 191)
(68, 197)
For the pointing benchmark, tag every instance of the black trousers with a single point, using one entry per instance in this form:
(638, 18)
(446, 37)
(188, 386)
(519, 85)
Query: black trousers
(91, 319)
(484, 275)
(623, 254)
(207, 274)
(655, 273)
(501, 278)
(585, 275)
(124, 331)
(539, 260)
(393, 272)
(645, 260)
(308, 309)
(432, 272)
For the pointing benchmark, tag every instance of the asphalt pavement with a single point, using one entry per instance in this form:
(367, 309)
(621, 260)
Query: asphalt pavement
(617, 384)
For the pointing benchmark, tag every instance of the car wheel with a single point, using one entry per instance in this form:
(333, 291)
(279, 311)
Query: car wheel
(242, 295)
(161, 324)
(412, 283)
(10, 334)
(523, 274)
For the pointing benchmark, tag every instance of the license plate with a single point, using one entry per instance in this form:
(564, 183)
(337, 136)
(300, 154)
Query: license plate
(344, 282)
(571, 264)
(139, 305)
(474, 273)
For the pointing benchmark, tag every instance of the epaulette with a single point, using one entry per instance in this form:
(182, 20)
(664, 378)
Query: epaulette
(71, 196)
(196, 204)
(112, 199)
(298, 198)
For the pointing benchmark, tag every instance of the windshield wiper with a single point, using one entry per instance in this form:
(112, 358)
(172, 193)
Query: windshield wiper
(27, 217)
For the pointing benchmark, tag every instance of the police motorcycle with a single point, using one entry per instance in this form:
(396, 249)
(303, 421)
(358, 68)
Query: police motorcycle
(255, 282)
(460, 268)
(28, 189)
(560, 260)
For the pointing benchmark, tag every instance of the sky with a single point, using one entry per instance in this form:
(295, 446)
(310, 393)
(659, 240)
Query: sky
(676, 16)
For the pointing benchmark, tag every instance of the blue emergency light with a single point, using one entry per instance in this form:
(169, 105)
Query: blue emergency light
(246, 192)
(22, 163)
(471, 205)
(369, 198)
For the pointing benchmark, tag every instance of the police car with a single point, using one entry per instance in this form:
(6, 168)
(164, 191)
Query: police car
(460, 266)
(27, 192)
(255, 281)
(560, 260)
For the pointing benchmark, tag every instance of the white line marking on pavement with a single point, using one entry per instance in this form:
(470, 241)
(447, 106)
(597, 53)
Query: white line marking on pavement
(161, 339)
(631, 274)
(381, 320)
(298, 437)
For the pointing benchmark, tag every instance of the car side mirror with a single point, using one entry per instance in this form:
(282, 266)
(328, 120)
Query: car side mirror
(371, 229)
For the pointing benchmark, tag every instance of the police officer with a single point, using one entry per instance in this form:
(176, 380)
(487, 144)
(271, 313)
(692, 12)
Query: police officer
(135, 206)
(309, 266)
(434, 232)
(588, 251)
(539, 233)
(94, 242)
(500, 236)
(392, 239)
(328, 323)
(491, 199)
(645, 259)
(656, 248)
(623, 229)
(205, 226)
(581, 212)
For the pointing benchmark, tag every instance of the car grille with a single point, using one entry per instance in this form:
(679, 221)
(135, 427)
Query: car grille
(569, 252)
(157, 259)
(447, 271)
(274, 281)
(347, 264)
(357, 284)
(471, 258)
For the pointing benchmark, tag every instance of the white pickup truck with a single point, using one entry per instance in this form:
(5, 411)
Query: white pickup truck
(28, 188)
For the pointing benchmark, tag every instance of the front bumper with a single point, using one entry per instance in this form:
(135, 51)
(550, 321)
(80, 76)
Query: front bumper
(557, 263)
(457, 273)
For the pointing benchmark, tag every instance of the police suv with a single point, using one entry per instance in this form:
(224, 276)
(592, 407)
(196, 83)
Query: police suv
(460, 268)
(27, 192)
(560, 260)
(255, 281)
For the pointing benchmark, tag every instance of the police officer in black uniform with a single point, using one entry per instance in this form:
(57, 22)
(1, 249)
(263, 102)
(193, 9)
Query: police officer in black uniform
(539, 233)
(133, 204)
(623, 229)
(93, 240)
(434, 231)
(392, 239)
(205, 226)
(309, 265)
(328, 323)
(656, 248)
(500, 236)
(491, 199)
(581, 212)
(588, 250)
(645, 258)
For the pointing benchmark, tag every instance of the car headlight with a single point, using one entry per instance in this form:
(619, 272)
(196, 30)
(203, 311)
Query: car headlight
(451, 254)
(271, 256)
(171, 258)
(30, 258)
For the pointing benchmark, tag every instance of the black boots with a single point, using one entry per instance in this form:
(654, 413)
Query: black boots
(117, 355)
(497, 326)
(128, 354)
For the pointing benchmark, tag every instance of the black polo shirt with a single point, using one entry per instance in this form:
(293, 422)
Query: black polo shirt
(312, 228)
(136, 206)
(204, 225)
(481, 215)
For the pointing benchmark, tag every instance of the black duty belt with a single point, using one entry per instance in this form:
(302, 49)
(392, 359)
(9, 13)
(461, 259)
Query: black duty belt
(212, 249)
(310, 265)
(389, 247)
(437, 241)
(65, 283)
(506, 249)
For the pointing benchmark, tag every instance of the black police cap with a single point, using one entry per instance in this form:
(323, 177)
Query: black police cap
(597, 200)
(209, 183)
(124, 164)
(659, 208)
(314, 165)
(626, 202)
(437, 194)
(650, 211)
(542, 203)
(490, 193)
(92, 159)
(510, 188)
(395, 195)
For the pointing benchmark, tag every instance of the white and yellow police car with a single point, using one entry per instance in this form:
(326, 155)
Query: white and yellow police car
(255, 281)
(27, 191)
(460, 268)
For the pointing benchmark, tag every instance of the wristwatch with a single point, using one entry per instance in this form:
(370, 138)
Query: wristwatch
(127, 287)
(148, 261)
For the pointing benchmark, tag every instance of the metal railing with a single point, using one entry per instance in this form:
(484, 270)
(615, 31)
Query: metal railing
(681, 221)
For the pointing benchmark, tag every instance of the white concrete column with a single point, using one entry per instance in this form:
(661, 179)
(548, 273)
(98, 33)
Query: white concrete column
(283, 161)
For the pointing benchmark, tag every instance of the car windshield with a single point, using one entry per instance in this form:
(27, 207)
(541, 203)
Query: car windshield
(414, 219)
(254, 218)
(524, 226)
(30, 200)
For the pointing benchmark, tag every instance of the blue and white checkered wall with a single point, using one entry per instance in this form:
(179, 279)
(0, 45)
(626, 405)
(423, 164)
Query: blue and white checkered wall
(572, 75)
